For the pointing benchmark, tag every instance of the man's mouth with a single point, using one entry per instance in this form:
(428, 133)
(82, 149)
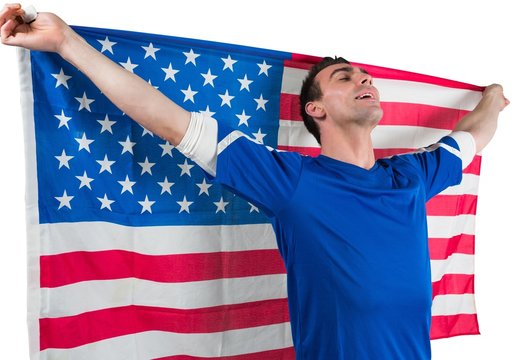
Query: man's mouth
(367, 95)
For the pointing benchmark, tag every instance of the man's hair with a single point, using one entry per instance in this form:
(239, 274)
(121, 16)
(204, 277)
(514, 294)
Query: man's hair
(311, 91)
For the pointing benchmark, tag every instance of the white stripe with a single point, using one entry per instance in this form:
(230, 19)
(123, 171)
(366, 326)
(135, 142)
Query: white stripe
(294, 133)
(95, 295)
(154, 240)
(156, 344)
(400, 91)
(454, 264)
(454, 304)
(449, 226)
(468, 185)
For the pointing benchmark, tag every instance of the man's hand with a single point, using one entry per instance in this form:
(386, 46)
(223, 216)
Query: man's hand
(494, 94)
(47, 33)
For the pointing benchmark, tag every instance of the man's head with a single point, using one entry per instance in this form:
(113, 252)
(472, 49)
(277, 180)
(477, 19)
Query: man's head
(347, 92)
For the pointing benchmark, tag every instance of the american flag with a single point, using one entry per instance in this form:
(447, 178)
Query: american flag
(135, 254)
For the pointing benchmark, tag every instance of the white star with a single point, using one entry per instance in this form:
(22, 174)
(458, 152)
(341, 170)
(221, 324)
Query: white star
(264, 68)
(190, 57)
(127, 145)
(253, 208)
(64, 200)
(261, 103)
(85, 180)
(146, 132)
(208, 78)
(61, 78)
(105, 203)
(106, 124)
(63, 160)
(259, 136)
(128, 65)
(207, 113)
(244, 83)
(127, 185)
(221, 205)
(189, 94)
(185, 205)
(146, 166)
(107, 45)
(243, 118)
(165, 186)
(84, 102)
(150, 83)
(105, 165)
(146, 205)
(150, 51)
(185, 168)
(63, 120)
(84, 143)
(204, 186)
(170, 73)
(228, 63)
(226, 99)
(167, 149)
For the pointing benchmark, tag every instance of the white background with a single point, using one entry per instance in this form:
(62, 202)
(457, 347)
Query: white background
(469, 41)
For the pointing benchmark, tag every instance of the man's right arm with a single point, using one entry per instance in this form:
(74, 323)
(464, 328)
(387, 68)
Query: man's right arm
(131, 94)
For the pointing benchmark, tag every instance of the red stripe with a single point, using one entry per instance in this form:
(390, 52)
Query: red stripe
(454, 284)
(303, 150)
(453, 325)
(452, 205)
(393, 113)
(300, 61)
(474, 167)
(71, 331)
(119, 264)
(279, 354)
(442, 248)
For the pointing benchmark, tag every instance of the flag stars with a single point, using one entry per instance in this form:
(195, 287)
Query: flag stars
(253, 208)
(221, 205)
(167, 149)
(146, 166)
(166, 185)
(64, 159)
(61, 79)
(259, 136)
(203, 187)
(84, 143)
(128, 65)
(127, 145)
(208, 78)
(107, 45)
(207, 113)
(127, 185)
(242, 118)
(185, 168)
(84, 102)
(150, 51)
(105, 203)
(64, 201)
(228, 63)
(226, 99)
(185, 205)
(105, 165)
(260, 103)
(107, 125)
(63, 120)
(244, 83)
(190, 57)
(85, 180)
(170, 73)
(264, 68)
(189, 94)
(146, 205)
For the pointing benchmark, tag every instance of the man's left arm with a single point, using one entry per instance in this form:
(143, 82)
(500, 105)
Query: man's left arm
(482, 121)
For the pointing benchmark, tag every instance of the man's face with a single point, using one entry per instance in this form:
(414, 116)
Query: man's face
(349, 96)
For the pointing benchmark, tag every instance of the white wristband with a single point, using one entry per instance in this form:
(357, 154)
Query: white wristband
(30, 14)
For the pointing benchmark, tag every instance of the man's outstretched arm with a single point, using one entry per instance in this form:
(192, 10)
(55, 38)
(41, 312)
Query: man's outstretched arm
(131, 94)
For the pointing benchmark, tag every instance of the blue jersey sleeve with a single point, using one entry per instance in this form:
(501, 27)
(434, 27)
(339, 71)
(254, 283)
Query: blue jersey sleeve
(264, 176)
(439, 165)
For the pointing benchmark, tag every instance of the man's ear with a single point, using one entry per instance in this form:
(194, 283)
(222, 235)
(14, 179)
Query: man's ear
(315, 110)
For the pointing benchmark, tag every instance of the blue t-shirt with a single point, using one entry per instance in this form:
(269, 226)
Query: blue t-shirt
(354, 243)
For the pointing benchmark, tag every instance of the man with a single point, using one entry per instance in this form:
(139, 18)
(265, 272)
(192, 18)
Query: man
(351, 230)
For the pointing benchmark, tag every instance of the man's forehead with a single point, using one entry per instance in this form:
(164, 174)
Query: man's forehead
(335, 69)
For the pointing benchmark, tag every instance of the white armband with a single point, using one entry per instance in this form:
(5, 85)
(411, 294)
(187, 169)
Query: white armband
(467, 146)
(200, 142)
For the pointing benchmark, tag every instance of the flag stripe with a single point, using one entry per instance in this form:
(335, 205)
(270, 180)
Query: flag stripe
(454, 264)
(442, 248)
(156, 344)
(101, 294)
(119, 264)
(453, 304)
(67, 332)
(454, 284)
(279, 354)
(449, 226)
(451, 205)
(453, 325)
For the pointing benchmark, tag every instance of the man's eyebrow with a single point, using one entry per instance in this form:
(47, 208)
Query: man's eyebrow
(347, 69)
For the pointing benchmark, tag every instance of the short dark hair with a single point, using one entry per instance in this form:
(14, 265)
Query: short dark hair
(311, 91)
